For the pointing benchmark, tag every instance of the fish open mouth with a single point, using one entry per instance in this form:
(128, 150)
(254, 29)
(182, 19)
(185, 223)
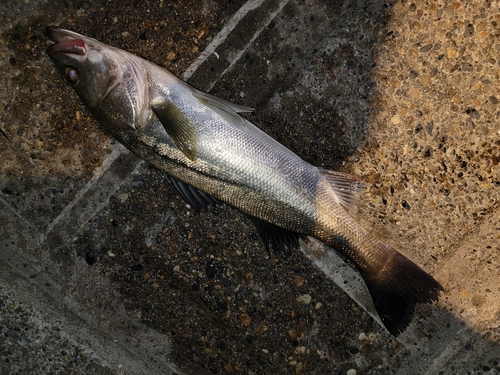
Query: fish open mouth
(64, 42)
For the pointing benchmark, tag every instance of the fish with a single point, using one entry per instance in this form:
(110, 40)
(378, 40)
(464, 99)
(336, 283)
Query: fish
(211, 154)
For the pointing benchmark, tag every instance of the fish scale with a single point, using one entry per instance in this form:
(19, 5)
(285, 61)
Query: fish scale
(202, 143)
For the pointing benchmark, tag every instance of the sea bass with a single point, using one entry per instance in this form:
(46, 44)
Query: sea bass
(211, 154)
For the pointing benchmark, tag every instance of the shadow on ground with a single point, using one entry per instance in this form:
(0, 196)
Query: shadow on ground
(135, 254)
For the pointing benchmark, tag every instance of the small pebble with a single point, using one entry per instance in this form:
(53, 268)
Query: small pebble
(85, 5)
(473, 113)
(299, 367)
(298, 281)
(351, 372)
(426, 48)
(10, 13)
(305, 299)
(300, 350)
(177, 38)
(90, 258)
(210, 269)
(245, 319)
(396, 120)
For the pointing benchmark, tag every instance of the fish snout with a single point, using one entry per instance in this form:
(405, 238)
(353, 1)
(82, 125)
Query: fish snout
(64, 42)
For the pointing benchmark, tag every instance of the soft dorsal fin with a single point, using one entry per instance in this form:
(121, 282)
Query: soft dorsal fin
(227, 110)
(178, 126)
(192, 196)
(347, 187)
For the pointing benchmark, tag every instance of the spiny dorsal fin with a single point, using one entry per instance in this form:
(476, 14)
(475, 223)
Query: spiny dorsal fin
(214, 101)
(178, 126)
(347, 187)
(227, 110)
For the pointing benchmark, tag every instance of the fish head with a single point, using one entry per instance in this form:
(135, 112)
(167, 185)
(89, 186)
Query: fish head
(110, 82)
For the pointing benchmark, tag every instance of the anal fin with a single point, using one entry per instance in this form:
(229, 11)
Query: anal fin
(279, 238)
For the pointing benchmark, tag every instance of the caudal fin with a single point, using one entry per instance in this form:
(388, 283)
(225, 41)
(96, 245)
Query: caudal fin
(397, 288)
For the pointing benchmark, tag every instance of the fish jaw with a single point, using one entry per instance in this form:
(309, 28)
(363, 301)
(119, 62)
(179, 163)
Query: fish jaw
(65, 41)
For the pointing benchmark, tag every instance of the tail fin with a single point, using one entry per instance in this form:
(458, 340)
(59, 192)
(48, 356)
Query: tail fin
(397, 288)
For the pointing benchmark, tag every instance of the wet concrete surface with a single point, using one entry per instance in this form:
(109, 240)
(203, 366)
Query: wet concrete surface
(105, 270)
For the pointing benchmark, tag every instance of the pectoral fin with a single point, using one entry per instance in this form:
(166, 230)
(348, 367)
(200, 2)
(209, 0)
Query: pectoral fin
(178, 126)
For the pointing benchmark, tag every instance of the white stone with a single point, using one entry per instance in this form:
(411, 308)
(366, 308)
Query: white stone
(305, 299)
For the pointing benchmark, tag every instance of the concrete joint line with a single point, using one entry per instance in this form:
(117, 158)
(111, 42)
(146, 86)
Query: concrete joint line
(447, 354)
(339, 272)
(240, 53)
(222, 36)
(119, 150)
(13, 212)
(114, 349)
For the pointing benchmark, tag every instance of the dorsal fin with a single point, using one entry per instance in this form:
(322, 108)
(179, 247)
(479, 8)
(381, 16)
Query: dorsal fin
(214, 101)
(227, 110)
(347, 187)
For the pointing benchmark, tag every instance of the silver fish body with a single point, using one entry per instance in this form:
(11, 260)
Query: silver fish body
(202, 141)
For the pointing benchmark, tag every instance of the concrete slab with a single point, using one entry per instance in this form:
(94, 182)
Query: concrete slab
(94, 245)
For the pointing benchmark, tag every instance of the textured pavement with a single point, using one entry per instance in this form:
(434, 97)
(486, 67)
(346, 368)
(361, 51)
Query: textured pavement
(104, 270)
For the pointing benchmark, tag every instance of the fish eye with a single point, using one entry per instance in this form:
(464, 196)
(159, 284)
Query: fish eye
(71, 75)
